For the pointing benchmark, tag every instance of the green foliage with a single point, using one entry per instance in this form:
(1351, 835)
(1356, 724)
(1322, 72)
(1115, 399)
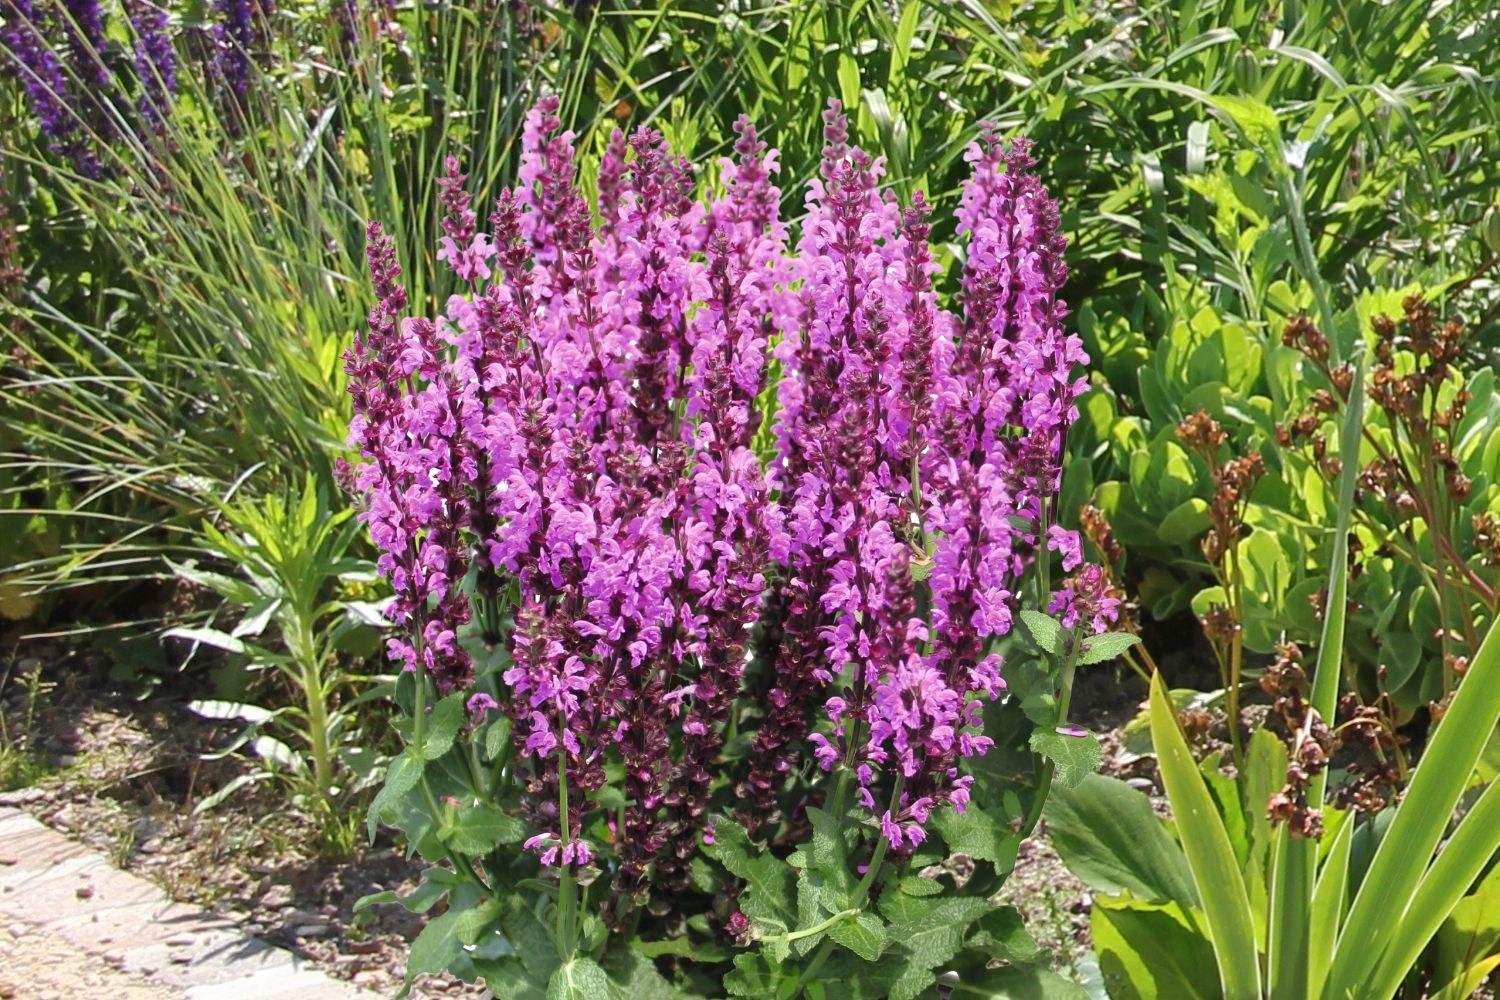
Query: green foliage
(1321, 928)
(291, 594)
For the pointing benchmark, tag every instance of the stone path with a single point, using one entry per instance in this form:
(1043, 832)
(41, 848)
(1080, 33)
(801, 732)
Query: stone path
(72, 926)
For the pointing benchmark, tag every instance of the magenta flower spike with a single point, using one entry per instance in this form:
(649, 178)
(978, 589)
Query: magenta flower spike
(587, 446)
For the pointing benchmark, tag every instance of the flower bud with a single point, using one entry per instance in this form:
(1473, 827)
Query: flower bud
(1247, 70)
(1489, 229)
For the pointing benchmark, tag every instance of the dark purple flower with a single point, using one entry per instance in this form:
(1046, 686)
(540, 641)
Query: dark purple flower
(47, 85)
(155, 61)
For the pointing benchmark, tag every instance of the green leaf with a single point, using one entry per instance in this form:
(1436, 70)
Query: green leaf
(1001, 935)
(1210, 856)
(1329, 902)
(769, 886)
(863, 934)
(403, 774)
(1108, 835)
(753, 976)
(632, 976)
(1106, 646)
(682, 947)
(1074, 757)
(475, 922)
(916, 885)
(1017, 982)
(442, 726)
(580, 979)
(847, 977)
(507, 977)
(1185, 522)
(827, 850)
(979, 833)
(480, 829)
(496, 735)
(434, 885)
(365, 902)
(1044, 630)
(434, 950)
(1150, 950)
(931, 931)
(1401, 860)
(210, 637)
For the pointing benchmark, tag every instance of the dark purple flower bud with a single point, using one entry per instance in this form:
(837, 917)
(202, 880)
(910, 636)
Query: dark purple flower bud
(47, 86)
(155, 61)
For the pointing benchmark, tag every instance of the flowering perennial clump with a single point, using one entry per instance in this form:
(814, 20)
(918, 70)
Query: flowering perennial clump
(693, 477)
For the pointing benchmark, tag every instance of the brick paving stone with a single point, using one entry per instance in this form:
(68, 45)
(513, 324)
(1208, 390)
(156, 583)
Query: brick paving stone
(125, 923)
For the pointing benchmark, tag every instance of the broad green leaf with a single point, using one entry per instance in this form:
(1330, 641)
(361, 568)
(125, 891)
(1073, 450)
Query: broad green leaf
(442, 726)
(863, 934)
(931, 931)
(756, 977)
(1108, 835)
(1044, 631)
(479, 829)
(769, 885)
(978, 833)
(1210, 856)
(496, 735)
(1075, 757)
(684, 947)
(847, 977)
(1153, 950)
(403, 774)
(434, 950)
(1106, 646)
(475, 922)
(1017, 982)
(507, 977)
(579, 979)
(632, 976)
(1001, 935)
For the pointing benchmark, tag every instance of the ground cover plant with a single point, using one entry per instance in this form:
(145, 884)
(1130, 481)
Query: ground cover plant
(1282, 230)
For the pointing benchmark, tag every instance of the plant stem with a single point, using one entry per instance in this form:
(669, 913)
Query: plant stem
(567, 894)
(1049, 770)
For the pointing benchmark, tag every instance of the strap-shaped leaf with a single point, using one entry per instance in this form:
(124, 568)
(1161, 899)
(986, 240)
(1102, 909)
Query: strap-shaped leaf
(1330, 902)
(1471, 847)
(1289, 913)
(1402, 858)
(1216, 873)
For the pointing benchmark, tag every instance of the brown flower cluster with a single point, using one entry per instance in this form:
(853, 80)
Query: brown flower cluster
(1365, 741)
(1234, 481)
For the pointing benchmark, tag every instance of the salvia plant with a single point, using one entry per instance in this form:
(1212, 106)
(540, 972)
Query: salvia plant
(704, 540)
